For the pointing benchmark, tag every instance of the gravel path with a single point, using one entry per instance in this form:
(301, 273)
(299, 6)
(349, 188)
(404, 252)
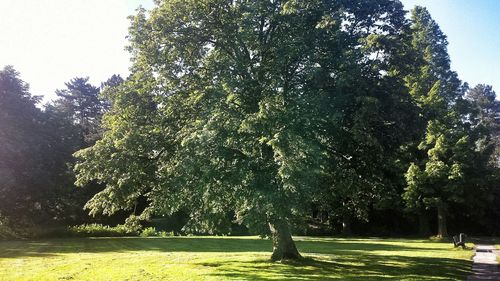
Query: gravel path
(485, 265)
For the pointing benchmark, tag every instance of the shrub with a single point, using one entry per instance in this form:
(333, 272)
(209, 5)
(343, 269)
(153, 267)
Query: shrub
(149, 231)
(164, 233)
(6, 232)
(133, 224)
(99, 230)
(131, 227)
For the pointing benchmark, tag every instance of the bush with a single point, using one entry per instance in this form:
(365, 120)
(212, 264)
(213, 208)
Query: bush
(149, 231)
(166, 234)
(131, 227)
(133, 224)
(99, 230)
(6, 232)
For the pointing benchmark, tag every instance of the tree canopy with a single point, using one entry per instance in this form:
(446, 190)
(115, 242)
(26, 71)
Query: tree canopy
(262, 107)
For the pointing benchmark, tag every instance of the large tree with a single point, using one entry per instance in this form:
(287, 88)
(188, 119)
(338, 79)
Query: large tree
(36, 181)
(482, 115)
(20, 165)
(369, 113)
(231, 106)
(450, 154)
(435, 89)
(74, 120)
(32, 156)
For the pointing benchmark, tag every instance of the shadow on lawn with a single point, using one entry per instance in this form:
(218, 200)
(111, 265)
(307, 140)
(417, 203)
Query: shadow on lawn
(49, 247)
(349, 267)
(325, 259)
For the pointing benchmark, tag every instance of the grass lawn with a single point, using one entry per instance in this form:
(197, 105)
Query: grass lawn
(230, 258)
(498, 247)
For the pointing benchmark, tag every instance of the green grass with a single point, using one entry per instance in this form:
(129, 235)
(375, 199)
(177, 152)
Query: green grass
(230, 258)
(497, 242)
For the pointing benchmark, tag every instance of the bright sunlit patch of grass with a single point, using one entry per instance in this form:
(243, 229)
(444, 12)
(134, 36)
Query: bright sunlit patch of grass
(497, 241)
(230, 258)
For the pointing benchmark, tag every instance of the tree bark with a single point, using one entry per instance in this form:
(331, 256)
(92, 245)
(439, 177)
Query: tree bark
(346, 225)
(283, 244)
(423, 224)
(442, 229)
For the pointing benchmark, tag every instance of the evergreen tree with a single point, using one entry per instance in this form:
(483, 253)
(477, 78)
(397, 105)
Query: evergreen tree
(485, 116)
(81, 103)
(448, 150)
(482, 115)
(29, 164)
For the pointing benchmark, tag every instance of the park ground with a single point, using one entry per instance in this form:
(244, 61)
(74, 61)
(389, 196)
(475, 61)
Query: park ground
(230, 258)
(498, 247)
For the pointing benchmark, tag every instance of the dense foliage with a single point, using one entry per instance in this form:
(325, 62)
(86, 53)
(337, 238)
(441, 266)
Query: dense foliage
(33, 156)
(36, 177)
(279, 116)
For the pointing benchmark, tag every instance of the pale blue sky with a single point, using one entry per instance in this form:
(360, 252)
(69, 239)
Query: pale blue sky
(52, 41)
(473, 30)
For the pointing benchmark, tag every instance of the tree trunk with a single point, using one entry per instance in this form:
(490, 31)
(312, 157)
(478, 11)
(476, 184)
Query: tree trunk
(442, 229)
(324, 217)
(346, 225)
(423, 224)
(283, 245)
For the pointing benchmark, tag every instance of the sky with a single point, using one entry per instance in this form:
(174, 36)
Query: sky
(473, 31)
(51, 41)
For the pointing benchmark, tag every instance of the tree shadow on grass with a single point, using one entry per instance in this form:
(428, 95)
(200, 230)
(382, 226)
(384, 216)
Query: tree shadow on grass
(348, 267)
(326, 259)
(319, 246)
(48, 247)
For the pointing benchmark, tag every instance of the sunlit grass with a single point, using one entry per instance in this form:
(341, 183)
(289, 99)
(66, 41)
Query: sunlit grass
(230, 258)
(497, 241)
